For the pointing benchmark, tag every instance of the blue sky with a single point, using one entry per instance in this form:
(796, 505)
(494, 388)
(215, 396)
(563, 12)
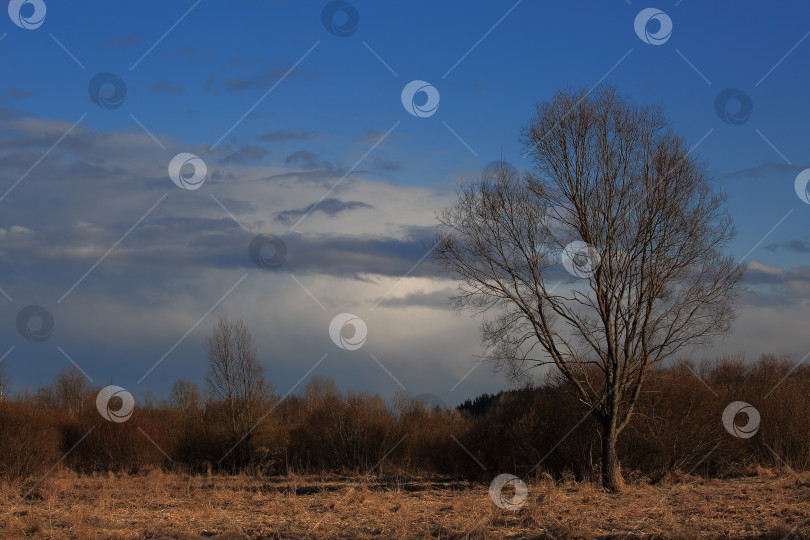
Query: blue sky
(326, 123)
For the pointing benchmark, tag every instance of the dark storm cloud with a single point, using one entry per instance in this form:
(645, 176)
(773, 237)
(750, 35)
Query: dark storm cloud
(321, 177)
(792, 246)
(245, 155)
(201, 242)
(774, 286)
(354, 256)
(330, 207)
(751, 300)
(762, 171)
(93, 187)
(757, 273)
(384, 164)
(434, 300)
(306, 160)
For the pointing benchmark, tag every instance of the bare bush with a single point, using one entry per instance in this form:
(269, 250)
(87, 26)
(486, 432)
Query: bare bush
(29, 441)
(530, 432)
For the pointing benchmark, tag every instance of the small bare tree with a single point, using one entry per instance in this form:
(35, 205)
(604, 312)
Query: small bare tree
(5, 382)
(185, 396)
(650, 233)
(69, 391)
(237, 390)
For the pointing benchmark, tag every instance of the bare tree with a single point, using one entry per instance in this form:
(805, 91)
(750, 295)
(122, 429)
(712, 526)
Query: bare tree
(236, 385)
(5, 382)
(611, 175)
(319, 390)
(69, 391)
(185, 395)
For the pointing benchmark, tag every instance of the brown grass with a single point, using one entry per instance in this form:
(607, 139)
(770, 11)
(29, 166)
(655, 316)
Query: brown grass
(160, 505)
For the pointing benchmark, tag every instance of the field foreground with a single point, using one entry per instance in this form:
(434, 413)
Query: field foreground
(160, 505)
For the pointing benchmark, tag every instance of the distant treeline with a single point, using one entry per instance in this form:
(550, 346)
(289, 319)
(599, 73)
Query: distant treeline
(676, 428)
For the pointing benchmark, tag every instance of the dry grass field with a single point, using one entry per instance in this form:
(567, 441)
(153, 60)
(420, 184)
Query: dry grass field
(160, 505)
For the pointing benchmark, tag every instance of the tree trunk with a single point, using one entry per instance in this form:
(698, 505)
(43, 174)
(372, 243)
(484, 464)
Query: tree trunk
(611, 471)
